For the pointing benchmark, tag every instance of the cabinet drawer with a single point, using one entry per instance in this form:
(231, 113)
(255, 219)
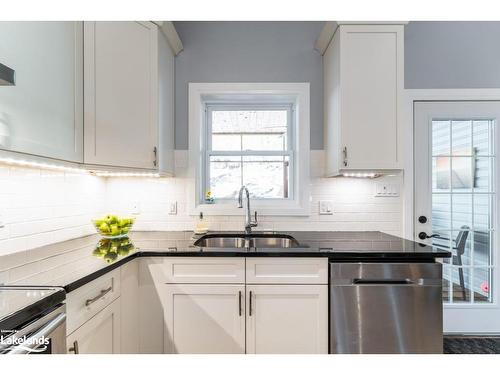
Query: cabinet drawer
(85, 302)
(287, 271)
(199, 270)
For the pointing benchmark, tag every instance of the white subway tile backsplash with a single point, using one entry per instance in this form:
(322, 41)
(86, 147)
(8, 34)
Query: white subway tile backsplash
(40, 207)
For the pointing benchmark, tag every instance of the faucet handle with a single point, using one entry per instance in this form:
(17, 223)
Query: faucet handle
(254, 223)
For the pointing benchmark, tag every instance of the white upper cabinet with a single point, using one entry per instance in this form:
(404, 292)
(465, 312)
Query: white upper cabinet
(121, 90)
(42, 114)
(363, 85)
(126, 122)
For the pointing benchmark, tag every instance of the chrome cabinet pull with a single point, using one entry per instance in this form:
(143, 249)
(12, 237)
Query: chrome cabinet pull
(155, 153)
(239, 303)
(250, 304)
(74, 348)
(99, 296)
(345, 156)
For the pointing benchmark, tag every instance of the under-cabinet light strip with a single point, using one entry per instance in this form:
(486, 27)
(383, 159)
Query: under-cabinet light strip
(360, 175)
(41, 165)
(125, 174)
(63, 168)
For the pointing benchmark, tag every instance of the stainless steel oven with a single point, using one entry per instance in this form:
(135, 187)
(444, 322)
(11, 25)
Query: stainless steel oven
(378, 308)
(44, 334)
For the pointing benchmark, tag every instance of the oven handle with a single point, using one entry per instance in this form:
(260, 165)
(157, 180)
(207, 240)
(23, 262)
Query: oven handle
(44, 331)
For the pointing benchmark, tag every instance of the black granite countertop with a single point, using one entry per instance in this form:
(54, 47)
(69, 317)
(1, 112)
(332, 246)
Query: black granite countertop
(89, 263)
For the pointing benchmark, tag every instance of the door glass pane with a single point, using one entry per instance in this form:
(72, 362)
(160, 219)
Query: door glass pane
(461, 137)
(462, 210)
(440, 138)
(481, 285)
(462, 174)
(441, 173)
(482, 248)
(482, 137)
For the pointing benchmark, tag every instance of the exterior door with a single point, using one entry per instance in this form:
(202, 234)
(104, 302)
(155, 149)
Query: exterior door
(456, 206)
(287, 319)
(204, 318)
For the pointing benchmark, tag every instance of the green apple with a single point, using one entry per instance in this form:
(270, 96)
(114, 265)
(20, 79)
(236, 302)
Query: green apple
(104, 228)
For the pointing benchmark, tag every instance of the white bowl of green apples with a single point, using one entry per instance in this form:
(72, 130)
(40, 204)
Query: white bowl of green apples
(112, 226)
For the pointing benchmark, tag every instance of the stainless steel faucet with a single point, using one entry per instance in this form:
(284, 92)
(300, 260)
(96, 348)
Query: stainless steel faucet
(249, 223)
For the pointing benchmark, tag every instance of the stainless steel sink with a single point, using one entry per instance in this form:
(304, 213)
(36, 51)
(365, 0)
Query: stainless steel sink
(254, 240)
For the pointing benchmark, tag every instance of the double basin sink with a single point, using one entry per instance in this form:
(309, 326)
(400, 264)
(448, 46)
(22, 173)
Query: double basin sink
(252, 240)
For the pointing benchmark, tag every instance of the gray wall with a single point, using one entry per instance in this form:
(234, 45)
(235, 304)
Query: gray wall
(248, 52)
(452, 55)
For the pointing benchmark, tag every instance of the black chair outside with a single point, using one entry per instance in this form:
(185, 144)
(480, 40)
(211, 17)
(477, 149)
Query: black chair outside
(457, 251)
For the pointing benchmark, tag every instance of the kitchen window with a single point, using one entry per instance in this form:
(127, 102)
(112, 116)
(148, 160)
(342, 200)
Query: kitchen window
(249, 144)
(252, 134)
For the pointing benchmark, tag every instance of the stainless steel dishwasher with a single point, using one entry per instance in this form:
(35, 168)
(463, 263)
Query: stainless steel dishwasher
(386, 308)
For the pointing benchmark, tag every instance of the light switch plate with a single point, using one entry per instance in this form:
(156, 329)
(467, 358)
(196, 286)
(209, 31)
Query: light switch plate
(172, 208)
(325, 207)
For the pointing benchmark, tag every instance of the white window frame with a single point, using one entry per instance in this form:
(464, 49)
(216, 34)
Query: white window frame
(297, 93)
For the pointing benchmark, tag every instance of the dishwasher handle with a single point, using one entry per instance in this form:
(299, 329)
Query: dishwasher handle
(382, 282)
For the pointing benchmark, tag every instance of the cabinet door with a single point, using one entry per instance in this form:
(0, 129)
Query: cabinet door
(100, 334)
(42, 114)
(371, 63)
(203, 319)
(121, 94)
(287, 319)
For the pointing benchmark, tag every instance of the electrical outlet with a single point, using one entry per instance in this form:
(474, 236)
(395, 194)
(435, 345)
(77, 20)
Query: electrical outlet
(172, 208)
(325, 207)
(136, 208)
(386, 190)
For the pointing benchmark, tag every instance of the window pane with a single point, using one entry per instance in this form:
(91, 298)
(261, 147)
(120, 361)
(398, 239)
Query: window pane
(461, 174)
(460, 284)
(226, 142)
(462, 210)
(441, 173)
(481, 285)
(249, 121)
(441, 209)
(225, 176)
(483, 174)
(482, 212)
(482, 248)
(440, 137)
(264, 142)
(266, 176)
(461, 137)
(482, 137)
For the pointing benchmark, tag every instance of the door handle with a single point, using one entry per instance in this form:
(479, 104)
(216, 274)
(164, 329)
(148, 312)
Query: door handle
(250, 304)
(239, 303)
(74, 348)
(424, 236)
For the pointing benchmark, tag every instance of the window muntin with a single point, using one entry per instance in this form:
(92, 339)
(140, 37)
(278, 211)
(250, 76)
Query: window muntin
(248, 144)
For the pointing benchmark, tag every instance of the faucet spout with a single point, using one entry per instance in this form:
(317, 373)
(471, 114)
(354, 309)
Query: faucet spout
(249, 223)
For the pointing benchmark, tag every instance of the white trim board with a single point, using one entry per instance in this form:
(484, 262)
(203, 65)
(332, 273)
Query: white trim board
(411, 96)
(300, 91)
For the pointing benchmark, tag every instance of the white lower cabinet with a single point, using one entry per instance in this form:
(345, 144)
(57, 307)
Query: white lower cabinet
(99, 335)
(260, 318)
(287, 319)
(204, 318)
